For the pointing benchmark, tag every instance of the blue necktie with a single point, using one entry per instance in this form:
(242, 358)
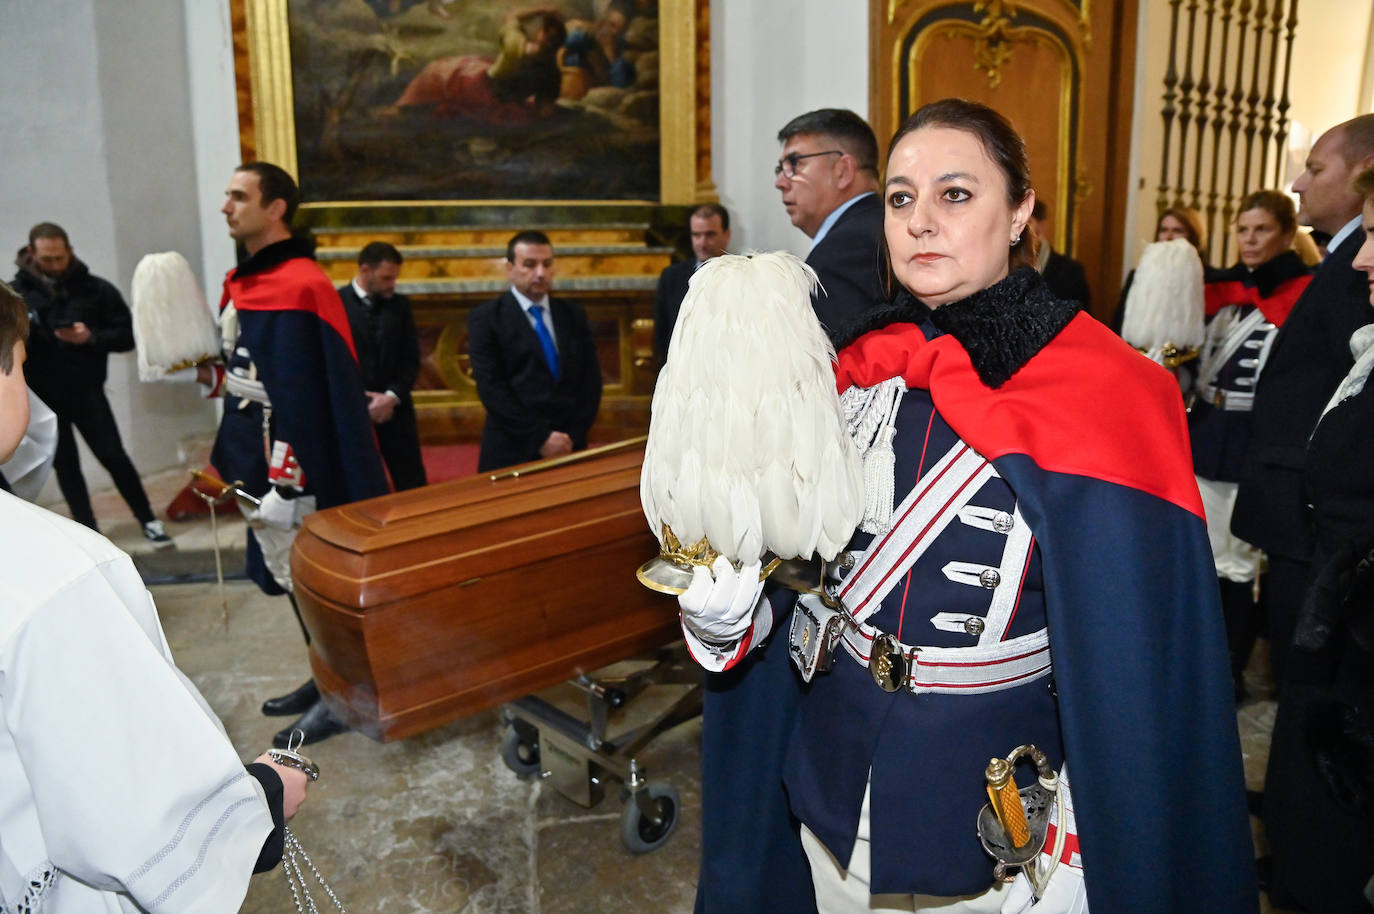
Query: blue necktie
(541, 330)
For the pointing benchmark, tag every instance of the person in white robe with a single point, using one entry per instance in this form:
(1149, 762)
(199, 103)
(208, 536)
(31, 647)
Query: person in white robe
(119, 790)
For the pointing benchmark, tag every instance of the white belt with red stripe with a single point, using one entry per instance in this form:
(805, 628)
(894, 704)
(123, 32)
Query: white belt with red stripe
(962, 670)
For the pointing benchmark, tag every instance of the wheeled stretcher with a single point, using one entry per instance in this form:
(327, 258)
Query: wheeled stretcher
(578, 754)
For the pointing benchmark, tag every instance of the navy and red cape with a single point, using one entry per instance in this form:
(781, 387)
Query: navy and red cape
(295, 330)
(1093, 440)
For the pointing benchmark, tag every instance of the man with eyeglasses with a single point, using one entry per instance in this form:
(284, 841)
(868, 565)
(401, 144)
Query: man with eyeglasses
(828, 177)
(751, 852)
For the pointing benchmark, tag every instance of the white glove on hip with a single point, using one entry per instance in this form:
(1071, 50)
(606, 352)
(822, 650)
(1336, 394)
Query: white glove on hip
(719, 605)
(1064, 891)
(275, 511)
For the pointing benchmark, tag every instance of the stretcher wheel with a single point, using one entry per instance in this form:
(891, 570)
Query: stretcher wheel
(639, 833)
(520, 750)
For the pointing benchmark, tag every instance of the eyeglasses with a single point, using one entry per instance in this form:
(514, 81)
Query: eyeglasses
(787, 165)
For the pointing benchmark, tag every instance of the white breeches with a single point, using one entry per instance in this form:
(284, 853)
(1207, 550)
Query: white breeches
(1236, 560)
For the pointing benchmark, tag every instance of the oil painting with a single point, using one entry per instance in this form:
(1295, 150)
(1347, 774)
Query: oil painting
(479, 100)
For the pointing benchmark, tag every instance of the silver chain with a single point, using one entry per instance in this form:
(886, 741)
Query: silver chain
(295, 877)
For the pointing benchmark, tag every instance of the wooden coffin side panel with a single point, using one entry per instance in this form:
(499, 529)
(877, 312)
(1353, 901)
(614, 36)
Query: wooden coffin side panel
(432, 604)
(473, 500)
(407, 667)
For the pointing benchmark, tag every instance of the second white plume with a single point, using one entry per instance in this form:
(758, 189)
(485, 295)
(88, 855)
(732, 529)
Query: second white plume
(1164, 304)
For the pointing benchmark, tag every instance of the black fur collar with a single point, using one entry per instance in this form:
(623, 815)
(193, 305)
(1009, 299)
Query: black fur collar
(906, 308)
(1269, 275)
(1001, 327)
(1004, 325)
(276, 254)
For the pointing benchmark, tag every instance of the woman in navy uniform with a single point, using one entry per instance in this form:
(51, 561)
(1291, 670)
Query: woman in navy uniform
(1043, 577)
(1245, 306)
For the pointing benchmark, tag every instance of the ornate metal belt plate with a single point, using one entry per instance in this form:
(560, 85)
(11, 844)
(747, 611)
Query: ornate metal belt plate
(888, 663)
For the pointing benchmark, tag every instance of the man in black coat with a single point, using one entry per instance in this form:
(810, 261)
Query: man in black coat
(709, 225)
(1298, 457)
(828, 177)
(76, 320)
(541, 385)
(1310, 356)
(1064, 275)
(389, 357)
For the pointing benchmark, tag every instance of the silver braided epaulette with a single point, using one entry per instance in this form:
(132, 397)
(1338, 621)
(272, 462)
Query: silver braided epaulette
(870, 414)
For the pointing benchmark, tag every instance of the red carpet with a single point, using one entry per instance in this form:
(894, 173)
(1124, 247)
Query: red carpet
(449, 461)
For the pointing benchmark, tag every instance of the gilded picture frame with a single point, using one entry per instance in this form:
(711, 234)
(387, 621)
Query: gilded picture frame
(272, 64)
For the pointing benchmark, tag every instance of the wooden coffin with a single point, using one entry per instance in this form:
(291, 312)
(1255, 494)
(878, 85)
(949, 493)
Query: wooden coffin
(428, 605)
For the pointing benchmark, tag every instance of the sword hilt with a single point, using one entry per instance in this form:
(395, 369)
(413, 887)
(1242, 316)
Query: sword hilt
(221, 491)
(1006, 801)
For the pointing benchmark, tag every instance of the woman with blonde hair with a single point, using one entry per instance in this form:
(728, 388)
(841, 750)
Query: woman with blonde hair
(1182, 222)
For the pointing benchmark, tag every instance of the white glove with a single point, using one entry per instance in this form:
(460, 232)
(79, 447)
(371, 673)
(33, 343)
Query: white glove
(719, 605)
(275, 511)
(275, 540)
(1064, 892)
(276, 553)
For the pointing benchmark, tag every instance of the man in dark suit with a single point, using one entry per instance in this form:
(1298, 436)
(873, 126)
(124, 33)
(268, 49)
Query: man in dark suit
(828, 177)
(1064, 275)
(1310, 356)
(709, 225)
(389, 356)
(535, 363)
(1317, 839)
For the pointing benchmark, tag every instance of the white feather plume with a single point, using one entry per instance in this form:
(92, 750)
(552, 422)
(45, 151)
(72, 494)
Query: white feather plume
(173, 325)
(747, 445)
(1165, 304)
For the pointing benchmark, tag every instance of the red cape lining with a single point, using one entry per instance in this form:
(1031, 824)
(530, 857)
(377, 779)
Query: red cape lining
(297, 284)
(1276, 307)
(1086, 404)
